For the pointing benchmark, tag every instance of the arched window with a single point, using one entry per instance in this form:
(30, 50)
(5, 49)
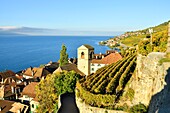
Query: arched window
(82, 55)
(91, 55)
(32, 105)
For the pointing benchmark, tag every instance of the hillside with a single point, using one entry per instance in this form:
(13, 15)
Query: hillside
(134, 37)
(142, 38)
(105, 87)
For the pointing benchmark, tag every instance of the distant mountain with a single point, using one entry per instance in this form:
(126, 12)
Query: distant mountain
(10, 30)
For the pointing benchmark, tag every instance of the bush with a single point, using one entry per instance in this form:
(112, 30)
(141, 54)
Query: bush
(139, 108)
(98, 100)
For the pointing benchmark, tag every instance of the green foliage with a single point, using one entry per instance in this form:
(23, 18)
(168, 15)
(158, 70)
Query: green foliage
(132, 40)
(130, 94)
(102, 43)
(98, 100)
(42, 66)
(159, 39)
(66, 82)
(140, 108)
(51, 87)
(164, 60)
(144, 47)
(46, 94)
(63, 56)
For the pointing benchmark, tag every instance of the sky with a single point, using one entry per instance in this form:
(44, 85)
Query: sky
(85, 15)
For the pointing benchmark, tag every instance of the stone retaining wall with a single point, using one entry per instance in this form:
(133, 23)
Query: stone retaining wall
(84, 108)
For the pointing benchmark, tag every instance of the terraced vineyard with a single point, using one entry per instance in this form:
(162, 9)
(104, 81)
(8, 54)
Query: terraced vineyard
(108, 81)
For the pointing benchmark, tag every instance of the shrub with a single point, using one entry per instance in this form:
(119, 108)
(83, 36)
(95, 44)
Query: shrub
(139, 108)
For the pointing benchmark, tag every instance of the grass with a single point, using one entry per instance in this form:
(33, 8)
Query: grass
(132, 40)
(164, 60)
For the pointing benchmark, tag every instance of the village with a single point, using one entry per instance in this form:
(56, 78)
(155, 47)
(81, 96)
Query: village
(17, 90)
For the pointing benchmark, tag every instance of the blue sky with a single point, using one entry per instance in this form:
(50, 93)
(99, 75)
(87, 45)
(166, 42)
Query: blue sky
(88, 15)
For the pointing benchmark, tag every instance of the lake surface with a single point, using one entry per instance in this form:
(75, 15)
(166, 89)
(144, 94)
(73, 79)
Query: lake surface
(20, 52)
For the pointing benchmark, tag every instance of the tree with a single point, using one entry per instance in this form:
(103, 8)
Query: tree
(46, 95)
(63, 56)
(49, 89)
(66, 82)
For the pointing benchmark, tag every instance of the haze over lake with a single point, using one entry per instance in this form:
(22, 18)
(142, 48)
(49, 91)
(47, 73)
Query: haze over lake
(20, 52)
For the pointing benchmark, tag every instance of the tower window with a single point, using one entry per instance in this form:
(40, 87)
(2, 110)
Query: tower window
(82, 55)
(91, 54)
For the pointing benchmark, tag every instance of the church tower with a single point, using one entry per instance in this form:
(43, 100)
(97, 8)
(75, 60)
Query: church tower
(168, 44)
(85, 55)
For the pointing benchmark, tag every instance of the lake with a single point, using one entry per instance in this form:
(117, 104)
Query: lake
(20, 52)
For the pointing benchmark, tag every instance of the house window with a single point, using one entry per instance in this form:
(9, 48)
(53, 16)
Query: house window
(82, 55)
(32, 105)
(99, 65)
(92, 64)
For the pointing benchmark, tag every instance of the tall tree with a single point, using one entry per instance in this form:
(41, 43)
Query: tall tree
(63, 56)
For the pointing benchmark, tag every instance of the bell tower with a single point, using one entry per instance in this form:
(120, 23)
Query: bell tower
(85, 55)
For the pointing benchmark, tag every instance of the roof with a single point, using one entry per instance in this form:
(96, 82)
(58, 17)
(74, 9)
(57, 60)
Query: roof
(7, 74)
(6, 105)
(37, 72)
(52, 66)
(69, 67)
(30, 90)
(109, 59)
(11, 106)
(86, 46)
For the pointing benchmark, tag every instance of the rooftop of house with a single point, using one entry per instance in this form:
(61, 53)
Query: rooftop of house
(109, 59)
(87, 46)
(69, 67)
(29, 90)
(7, 74)
(52, 66)
(12, 107)
(36, 72)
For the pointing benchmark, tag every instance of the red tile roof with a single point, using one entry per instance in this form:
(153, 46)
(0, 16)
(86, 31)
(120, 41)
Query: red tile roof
(11, 106)
(30, 90)
(109, 59)
(37, 72)
(7, 74)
